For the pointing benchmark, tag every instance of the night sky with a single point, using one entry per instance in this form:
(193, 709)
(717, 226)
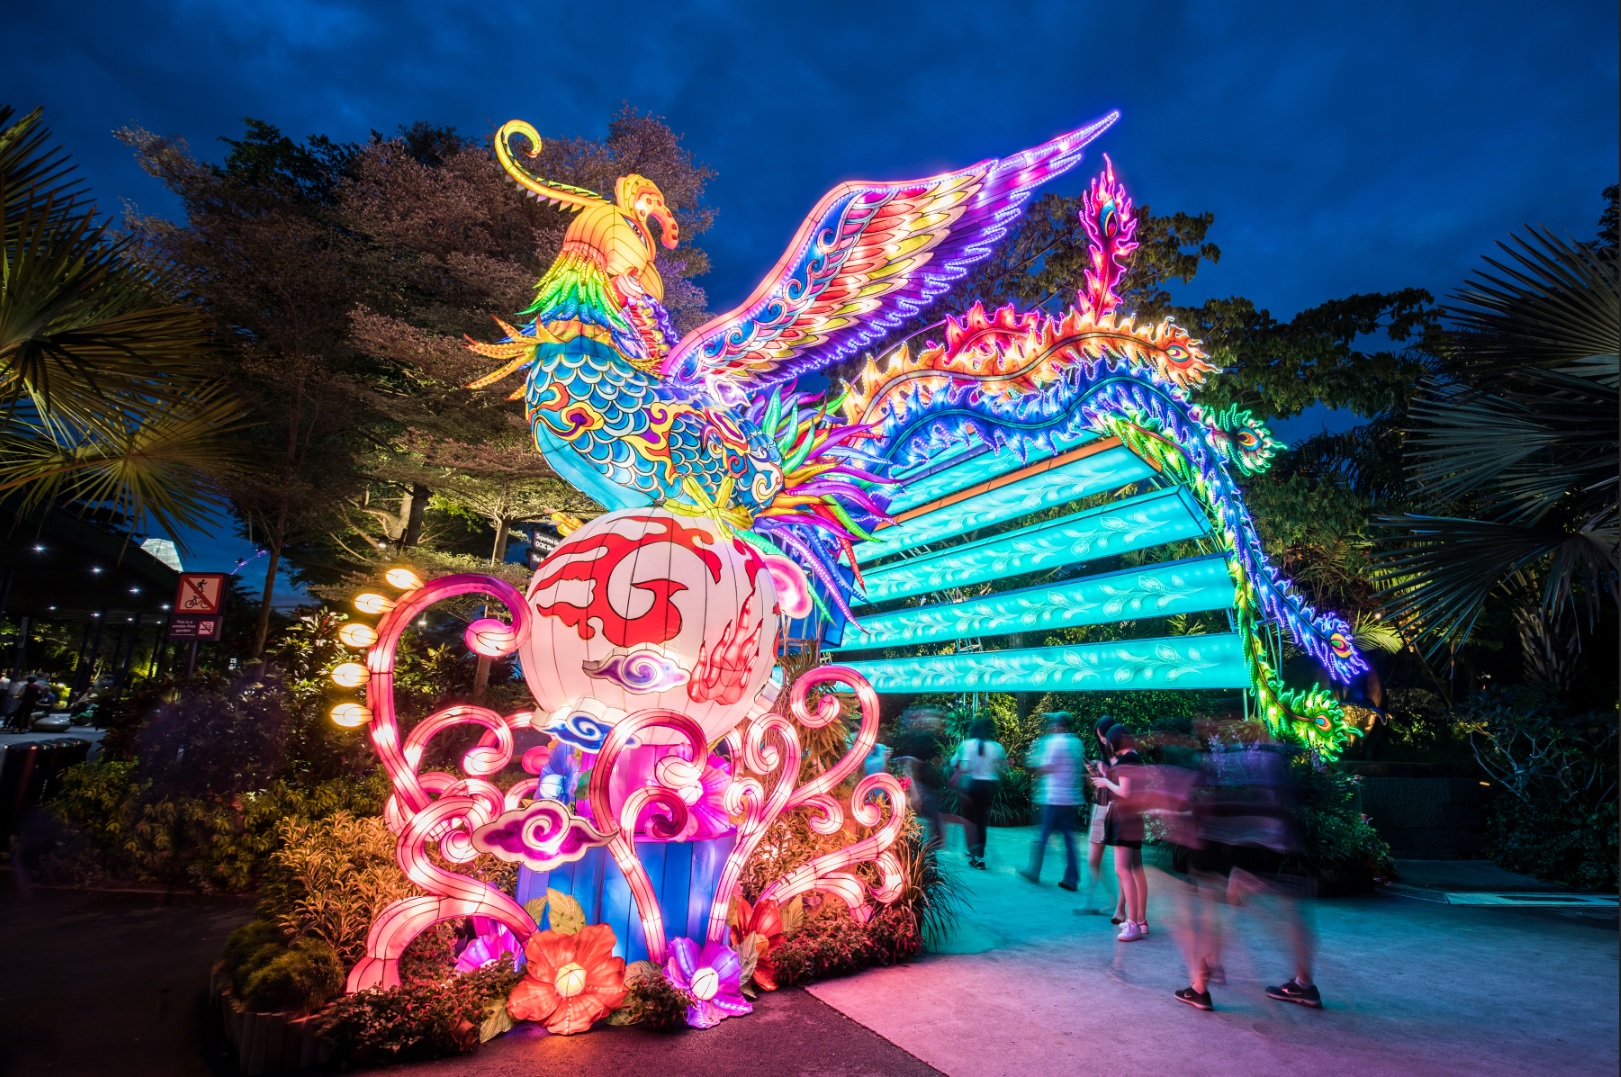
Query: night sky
(1342, 147)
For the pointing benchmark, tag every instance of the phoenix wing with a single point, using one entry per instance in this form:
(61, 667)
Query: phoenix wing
(868, 258)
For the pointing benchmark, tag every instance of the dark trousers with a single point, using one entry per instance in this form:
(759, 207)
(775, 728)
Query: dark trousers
(1060, 817)
(980, 793)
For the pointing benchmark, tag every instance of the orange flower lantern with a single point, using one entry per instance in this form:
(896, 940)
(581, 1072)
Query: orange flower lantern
(570, 981)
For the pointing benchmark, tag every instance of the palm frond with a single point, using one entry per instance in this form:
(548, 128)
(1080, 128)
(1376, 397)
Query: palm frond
(1436, 573)
(1552, 304)
(1371, 634)
(79, 322)
(1521, 450)
(159, 468)
(33, 173)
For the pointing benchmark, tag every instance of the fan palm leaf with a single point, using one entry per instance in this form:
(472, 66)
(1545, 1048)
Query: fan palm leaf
(1521, 450)
(1516, 459)
(1437, 575)
(161, 468)
(32, 171)
(106, 398)
(1551, 304)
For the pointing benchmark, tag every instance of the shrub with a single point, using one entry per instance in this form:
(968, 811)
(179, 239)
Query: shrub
(125, 829)
(1557, 770)
(1342, 847)
(652, 1000)
(419, 1018)
(300, 978)
(833, 943)
(1571, 843)
(218, 738)
(934, 895)
(331, 877)
(249, 948)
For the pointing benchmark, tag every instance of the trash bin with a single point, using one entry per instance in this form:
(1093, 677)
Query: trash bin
(30, 773)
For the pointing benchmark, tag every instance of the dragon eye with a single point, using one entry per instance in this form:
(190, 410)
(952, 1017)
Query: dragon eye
(1340, 645)
(1248, 439)
(1176, 351)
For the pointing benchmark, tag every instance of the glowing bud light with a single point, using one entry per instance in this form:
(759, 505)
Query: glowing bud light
(358, 635)
(350, 675)
(351, 715)
(705, 984)
(570, 980)
(373, 603)
(403, 578)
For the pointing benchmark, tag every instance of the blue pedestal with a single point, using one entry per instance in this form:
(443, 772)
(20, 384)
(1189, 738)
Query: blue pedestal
(684, 875)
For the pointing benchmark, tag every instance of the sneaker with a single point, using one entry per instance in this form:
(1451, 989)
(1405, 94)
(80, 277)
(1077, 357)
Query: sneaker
(1143, 927)
(1029, 878)
(1293, 992)
(1199, 1000)
(1071, 887)
(1131, 932)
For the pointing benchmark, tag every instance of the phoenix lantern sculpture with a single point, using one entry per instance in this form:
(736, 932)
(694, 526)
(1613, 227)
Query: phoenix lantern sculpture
(735, 502)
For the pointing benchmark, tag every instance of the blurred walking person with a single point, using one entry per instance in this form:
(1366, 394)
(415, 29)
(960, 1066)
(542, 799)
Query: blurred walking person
(1123, 828)
(976, 771)
(1056, 757)
(918, 753)
(1246, 826)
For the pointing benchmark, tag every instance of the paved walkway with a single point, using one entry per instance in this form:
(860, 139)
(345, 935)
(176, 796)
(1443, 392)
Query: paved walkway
(1410, 987)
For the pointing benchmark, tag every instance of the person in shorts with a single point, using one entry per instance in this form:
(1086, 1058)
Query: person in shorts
(1123, 828)
(1245, 822)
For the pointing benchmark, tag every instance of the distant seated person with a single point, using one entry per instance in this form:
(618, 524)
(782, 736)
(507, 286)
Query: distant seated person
(30, 699)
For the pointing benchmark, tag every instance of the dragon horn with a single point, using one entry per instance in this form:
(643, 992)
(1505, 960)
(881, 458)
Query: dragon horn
(559, 194)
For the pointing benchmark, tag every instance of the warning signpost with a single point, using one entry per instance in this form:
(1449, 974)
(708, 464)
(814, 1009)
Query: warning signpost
(201, 593)
(198, 609)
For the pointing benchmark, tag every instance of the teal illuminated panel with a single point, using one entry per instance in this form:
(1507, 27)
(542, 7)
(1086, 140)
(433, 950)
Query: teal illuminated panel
(1134, 523)
(985, 466)
(1089, 475)
(1190, 586)
(1213, 661)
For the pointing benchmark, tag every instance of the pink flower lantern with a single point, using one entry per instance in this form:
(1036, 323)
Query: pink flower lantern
(644, 608)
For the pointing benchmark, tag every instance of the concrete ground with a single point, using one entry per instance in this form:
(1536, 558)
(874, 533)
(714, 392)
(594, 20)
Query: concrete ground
(789, 1032)
(92, 983)
(97, 983)
(1410, 987)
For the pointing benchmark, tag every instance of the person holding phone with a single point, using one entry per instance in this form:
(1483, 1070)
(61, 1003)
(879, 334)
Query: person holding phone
(1123, 829)
(1095, 846)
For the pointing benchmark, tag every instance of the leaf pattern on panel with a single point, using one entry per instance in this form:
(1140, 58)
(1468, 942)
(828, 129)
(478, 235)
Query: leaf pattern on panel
(1151, 592)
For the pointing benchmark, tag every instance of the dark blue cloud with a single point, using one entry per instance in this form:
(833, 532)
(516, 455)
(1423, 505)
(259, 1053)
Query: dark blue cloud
(1343, 148)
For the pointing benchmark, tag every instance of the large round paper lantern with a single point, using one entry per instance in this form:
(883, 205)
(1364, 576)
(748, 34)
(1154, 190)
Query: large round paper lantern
(645, 608)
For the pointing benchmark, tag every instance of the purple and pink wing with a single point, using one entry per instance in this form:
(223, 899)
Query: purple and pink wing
(868, 258)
